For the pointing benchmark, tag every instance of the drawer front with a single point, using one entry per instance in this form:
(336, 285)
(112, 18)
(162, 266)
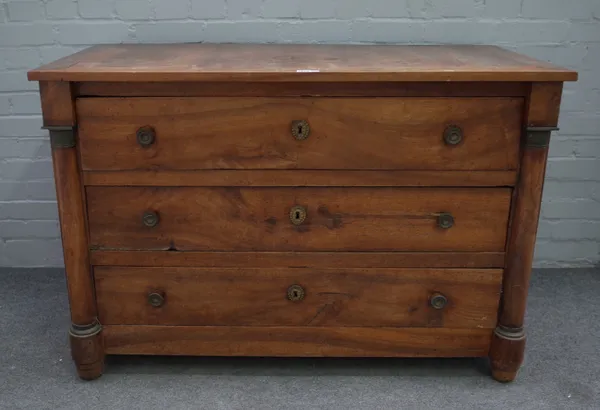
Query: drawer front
(298, 219)
(256, 133)
(456, 298)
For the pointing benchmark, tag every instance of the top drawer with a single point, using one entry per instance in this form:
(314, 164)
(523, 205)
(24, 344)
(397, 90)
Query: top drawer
(299, 133)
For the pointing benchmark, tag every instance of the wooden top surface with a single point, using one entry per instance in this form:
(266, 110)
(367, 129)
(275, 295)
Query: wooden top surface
(262, 62)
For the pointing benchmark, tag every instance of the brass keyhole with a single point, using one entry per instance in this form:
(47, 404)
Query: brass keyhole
(300, 129)
(295, 293)
(297, 215)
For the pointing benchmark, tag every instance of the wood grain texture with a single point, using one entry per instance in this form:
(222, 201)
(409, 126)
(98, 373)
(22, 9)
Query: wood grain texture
(296, 341)
(374, 176)
(71, 212)
(305, 178)
(300, 259)
(312, 63)
(57, 104)
(88, 355)
(333, 297)
(543, 111)
(507, 352)
(87, 351)
(544, 104)
(255, 133)
(338, 219)
(302, 89)
(521, 243)
(58, 110)
(506, 356)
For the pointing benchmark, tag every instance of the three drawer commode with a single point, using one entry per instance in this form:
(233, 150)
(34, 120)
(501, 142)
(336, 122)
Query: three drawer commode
(296, 200)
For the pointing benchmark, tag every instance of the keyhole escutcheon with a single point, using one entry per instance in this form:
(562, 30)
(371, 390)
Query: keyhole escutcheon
(300, 129)
(295, 293)
(298, 215)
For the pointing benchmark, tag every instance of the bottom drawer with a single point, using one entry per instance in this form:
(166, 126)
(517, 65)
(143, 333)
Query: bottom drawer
(453, 298)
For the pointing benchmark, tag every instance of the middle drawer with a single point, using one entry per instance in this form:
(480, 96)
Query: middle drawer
(298, 219)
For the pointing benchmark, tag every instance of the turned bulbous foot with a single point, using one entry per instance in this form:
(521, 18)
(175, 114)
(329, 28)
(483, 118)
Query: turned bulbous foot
(87, 350)
(506, 353)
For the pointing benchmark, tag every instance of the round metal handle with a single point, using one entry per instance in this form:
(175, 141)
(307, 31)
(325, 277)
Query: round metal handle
(297, 215)
(445, 220)
(295, 293)
(438, 301)
(150, 219)
(145, 136)
(300, 129)
(156, 299)
(453, 135)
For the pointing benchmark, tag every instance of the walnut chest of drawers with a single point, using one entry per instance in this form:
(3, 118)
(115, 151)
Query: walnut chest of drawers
(264, 200)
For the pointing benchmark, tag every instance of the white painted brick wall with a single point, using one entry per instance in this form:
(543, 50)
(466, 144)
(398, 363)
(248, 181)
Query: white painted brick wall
(33, 32)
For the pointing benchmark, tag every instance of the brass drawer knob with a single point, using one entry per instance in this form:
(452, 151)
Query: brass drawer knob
(445, 220)
(300, 129)
(145, 136)
(297, 215)
(150, 219)
(295, 293)
(438, 301)
(156, 299)
(453, 135)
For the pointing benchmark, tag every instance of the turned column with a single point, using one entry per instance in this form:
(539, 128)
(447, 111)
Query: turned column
(508, 341)
(85, 332)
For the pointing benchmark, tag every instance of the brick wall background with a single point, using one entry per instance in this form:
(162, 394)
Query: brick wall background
(33, 32)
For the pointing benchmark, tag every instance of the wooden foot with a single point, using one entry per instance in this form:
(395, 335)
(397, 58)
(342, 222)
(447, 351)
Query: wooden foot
(506, 353)
(87, 350)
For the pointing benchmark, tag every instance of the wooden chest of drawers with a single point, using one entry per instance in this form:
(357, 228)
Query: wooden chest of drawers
(262, 200)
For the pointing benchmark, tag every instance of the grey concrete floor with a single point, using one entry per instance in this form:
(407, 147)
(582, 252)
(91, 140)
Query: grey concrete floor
(561, 370)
